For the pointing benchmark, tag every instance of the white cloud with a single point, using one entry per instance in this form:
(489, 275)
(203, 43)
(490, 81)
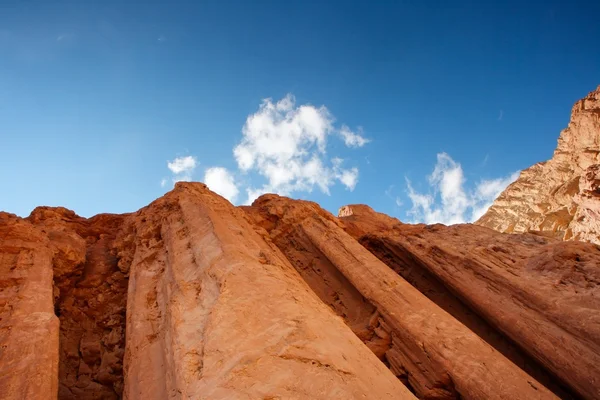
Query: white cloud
(182, 169)
(448, 201)
(286, 145)
(348, 177)
(352, 139)
(221, 181)
(182, 165)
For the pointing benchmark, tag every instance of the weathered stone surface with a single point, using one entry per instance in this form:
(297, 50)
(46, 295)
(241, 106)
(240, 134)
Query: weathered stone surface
(89, 298)
(562, 195)
(211, 310)
(435, 354)
(191, 297)
(215, 312)
(28, 326)
(540, 292)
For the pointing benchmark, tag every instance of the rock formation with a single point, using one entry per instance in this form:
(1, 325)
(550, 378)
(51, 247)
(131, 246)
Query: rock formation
(432, 352)
(193, 298)
(560, 196)
(210, 309)
(539, 293)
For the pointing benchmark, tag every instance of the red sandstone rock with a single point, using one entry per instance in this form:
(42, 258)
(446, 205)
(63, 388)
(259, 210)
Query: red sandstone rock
(215, 312)
(28, 326)
(539, 292)
(211, 310)
(434, 353)
(191, 297)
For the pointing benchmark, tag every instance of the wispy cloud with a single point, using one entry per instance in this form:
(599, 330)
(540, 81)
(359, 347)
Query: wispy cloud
(389, 193)
(448, 201)
(352, 139)
(501, 115)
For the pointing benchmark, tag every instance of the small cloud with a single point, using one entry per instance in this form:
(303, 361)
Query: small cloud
(501, 115)
(448, 201)
(352, 139)
(161, 39)
(163, 182)
(221, 181)
(399, 202)
(182, 169)
(182, 164)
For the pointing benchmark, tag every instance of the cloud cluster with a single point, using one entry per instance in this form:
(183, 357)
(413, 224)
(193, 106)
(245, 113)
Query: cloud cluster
(448, 201)
(284, 144)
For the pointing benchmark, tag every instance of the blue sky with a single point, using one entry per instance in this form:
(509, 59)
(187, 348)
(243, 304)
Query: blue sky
(98, 97)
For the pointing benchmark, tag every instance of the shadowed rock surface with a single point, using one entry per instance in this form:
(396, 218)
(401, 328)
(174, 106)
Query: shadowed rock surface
(432, 352)
(537, 292)
(560, 196)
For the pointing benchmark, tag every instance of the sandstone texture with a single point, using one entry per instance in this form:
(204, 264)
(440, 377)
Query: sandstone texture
(28, 325)
(216, 312)
(560, 196)
(180, 300)
(540, 293)
(193, 298)
(431, 351)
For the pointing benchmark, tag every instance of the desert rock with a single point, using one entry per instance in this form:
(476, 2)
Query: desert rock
(560, 196)
(436, 355)
(182, 300)
(541, 293)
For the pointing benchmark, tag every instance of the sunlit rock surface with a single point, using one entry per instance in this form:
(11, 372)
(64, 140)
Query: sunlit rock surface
(562, 195)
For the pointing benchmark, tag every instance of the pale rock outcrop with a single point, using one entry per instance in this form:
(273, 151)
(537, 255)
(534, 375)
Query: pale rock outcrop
(560, 196)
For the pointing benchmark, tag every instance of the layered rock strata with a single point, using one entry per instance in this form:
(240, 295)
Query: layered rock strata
(560, 196)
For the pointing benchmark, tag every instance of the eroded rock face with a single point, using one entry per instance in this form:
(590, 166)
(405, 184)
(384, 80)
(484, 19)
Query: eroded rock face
(90, 294)
(28, 326)
(537, 292)
(181, 300)
(560, 196)
(432, 352)
(217, 312)
(193, 298)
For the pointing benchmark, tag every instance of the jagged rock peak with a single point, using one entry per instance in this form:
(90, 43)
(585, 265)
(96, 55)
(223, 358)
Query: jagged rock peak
(560, 196)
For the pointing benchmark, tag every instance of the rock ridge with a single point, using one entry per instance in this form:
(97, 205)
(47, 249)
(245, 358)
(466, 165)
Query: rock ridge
(560, 196)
